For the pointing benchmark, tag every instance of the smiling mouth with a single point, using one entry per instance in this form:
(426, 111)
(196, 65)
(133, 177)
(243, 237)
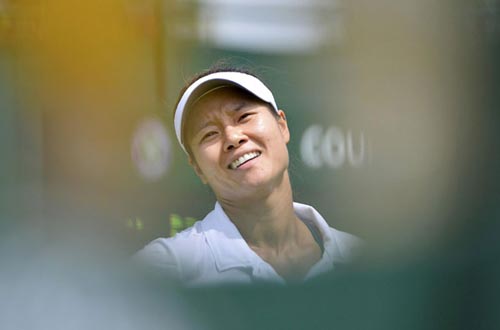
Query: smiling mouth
(243, 159)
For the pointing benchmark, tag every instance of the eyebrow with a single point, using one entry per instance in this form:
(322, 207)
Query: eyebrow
(197, 130)
(240, 106)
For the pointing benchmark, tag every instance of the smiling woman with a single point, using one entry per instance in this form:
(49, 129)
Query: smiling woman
(241, 146)
(236, 137)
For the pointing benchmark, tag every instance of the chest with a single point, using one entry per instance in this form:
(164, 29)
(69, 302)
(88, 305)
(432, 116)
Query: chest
(292, 266)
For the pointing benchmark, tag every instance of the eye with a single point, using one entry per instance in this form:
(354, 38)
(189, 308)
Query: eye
(208, 135)
(245, 116)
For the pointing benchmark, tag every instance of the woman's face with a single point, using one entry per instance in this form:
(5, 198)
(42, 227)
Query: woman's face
(238, 145)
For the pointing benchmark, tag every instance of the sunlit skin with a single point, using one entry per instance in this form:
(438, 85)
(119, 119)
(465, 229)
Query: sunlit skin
(257, 196)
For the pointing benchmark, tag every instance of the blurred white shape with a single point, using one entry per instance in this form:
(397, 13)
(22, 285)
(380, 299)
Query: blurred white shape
(274, 26)
(332, 148)
(270, 3)
(310, 145)
(151, 149)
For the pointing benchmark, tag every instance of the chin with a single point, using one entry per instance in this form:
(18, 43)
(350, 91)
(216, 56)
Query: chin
(258, 187)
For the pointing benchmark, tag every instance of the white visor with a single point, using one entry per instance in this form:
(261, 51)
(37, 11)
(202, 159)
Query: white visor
(212, 81)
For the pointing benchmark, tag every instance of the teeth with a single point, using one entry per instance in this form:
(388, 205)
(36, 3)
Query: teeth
(243, 159)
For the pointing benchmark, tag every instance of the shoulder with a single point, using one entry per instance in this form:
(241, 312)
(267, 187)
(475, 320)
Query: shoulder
(344, 247)
(174, 255)
(348, 245)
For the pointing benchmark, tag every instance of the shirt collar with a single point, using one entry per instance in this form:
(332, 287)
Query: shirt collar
(309, 214)
(331, 253)
(230, 250)
(225, 241)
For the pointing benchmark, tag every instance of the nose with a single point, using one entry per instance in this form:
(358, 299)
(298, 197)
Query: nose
(234, 137)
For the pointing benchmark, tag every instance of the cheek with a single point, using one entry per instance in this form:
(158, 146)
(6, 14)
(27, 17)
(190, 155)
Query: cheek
(207, 160)
(266, 127)
(269, 129)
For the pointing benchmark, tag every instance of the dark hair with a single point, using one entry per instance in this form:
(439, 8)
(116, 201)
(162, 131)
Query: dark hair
(219, 66)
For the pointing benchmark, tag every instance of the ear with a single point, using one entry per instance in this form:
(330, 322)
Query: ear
(283, 126)
(197, 170)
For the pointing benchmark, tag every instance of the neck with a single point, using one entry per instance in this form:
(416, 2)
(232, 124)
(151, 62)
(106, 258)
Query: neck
(268, 221)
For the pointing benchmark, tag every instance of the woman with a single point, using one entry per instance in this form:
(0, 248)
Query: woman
(236, 140)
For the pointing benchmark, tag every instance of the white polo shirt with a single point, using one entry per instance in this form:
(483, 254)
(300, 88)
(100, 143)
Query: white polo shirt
(213, 252)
